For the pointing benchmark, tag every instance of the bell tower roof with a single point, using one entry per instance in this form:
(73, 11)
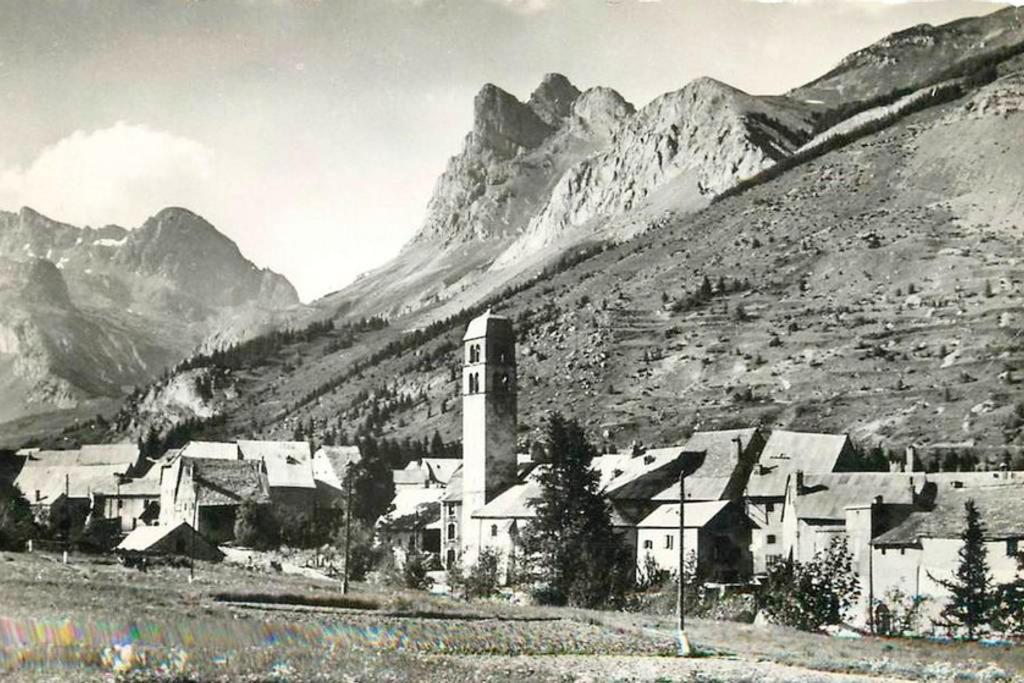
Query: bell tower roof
(486, 324)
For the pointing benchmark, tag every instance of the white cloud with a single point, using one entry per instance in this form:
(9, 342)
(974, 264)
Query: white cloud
(120, 174)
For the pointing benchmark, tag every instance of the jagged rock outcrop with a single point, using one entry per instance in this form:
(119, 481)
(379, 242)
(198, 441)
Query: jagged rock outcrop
(1002, 97)
(706, 137)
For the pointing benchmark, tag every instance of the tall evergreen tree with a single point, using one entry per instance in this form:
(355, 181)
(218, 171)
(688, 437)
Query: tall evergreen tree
(571, 543)
(972, 596)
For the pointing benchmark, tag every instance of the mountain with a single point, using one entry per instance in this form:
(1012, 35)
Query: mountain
(89, 312)
(861, 273)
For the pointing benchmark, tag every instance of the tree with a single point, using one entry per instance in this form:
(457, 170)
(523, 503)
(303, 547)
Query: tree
(481, 580)
(256, 526)
(571, 547)
(372, 485)
(1008, 615)
(971, 594)
(414, 572)
(17, 524)
(814, 594)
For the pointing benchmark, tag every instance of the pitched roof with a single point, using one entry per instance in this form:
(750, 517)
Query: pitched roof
(211, 449)
(442, 469)
(413, 503)
(786, 452)
(634, 477)
(1001, 508)
(453, 492)
(697, 488)
(145, 537)
(331, 463)
(228, 482)
(513, 503)
(485, 324)
(109, 454)
(80, 480)
(289, 463)
(698, 515)
(826, 496)
(721, 449)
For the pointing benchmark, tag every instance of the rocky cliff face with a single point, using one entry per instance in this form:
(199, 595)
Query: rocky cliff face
(88, 312)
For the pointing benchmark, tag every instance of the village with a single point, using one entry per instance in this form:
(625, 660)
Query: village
(732, 502)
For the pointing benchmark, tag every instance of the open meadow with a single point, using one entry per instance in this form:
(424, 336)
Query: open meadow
(94, 619)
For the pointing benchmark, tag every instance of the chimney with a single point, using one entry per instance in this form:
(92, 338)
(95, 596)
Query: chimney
(910, 457)
(800, 482)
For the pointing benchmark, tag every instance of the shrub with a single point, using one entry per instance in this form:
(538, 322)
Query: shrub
(898, 613)
(481, 580)
(257, 527)
(811, 595)
(414, 572)
(17, 524)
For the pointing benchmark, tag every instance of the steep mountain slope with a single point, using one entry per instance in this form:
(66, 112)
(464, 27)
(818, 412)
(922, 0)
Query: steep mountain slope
(875, 286)
(878, 289)
(87, 313)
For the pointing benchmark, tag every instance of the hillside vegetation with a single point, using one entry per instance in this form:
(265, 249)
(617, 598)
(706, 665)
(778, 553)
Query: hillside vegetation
(874, 287)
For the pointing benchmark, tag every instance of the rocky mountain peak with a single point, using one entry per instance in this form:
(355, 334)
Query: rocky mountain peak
(598, 111)
(553, 99)
(504, 125)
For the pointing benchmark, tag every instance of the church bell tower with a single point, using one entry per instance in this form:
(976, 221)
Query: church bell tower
(488, 420)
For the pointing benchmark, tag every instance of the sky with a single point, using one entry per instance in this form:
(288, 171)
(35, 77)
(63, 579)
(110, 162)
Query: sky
(312, 133)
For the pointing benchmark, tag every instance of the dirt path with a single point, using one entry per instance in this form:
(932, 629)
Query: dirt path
(610, 668)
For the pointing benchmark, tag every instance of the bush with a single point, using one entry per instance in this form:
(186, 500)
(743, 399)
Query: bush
(898, 613)
(414, 571)
(17, 524)
(811, 595)
(257, 527)
(481, 581)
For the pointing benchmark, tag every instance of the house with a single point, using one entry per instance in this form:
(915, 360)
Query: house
(330, 466)
(924, 547)
(207, 492)
(426, 473)
(211, 450)
(175, 539)
(56, 484)
(413, 524)
(134, 502)
(716, 532)
(289, 467)
(784, 454)
(127, 454)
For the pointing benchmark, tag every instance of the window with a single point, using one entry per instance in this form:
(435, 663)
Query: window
(451, 532)
(772, 560)
(1011, 547)
(494, 530)
(883, 551)
(669, 542)
(451, 557)
(769, 507)
(451, 509)
(474, 353)
(770, 539)
(648, 544)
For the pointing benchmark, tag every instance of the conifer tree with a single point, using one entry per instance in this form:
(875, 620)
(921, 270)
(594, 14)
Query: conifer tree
(571, 543)
(971, 600)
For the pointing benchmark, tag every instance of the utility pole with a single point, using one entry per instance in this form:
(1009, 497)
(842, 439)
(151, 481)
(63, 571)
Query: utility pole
(195, 530)
(348, 529)
(67, 515)
(684, 643)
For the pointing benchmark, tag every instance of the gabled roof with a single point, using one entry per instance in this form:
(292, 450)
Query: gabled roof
(47, 458)
(1001, 508)
(289, 463)
(413, 503)
(633, 477)
(697, 488)
(698, 515)
(80, 480)
(826, 496)
(331, 463)
(211, 449)
(442, 469)
(722, 450)
(453, 492)
(145, 537)
(786, 452)
(109, 454)
(513, 503)
(228, 482)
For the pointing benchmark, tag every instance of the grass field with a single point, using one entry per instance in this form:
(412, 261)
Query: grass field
(94, 619)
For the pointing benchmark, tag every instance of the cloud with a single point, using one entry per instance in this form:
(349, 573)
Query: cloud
(121, 174)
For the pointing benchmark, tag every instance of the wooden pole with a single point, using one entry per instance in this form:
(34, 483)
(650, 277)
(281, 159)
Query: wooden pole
(348, 530)
(67, 515)
(195, 530)
(684, 642)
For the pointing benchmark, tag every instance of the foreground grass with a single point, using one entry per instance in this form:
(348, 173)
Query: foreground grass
(93, 618)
